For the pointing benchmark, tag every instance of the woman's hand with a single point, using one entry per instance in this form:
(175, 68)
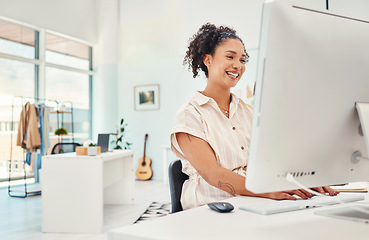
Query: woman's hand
(289, 195)
(326, 189)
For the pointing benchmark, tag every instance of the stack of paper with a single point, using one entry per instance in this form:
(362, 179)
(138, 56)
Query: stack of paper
(352, 187)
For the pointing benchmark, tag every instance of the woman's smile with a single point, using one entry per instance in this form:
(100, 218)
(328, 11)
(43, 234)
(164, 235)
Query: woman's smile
(233, 75)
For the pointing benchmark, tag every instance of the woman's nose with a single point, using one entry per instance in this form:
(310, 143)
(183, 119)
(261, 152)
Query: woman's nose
(237, 65)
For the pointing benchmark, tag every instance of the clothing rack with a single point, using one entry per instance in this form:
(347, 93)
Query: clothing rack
(23, 101)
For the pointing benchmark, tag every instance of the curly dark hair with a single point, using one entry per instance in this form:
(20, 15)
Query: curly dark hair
(207, 38)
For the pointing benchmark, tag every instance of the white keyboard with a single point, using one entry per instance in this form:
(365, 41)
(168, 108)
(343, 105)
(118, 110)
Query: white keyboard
(290, 205)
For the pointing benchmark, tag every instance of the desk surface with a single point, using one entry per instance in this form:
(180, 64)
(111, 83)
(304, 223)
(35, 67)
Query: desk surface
(203, 223)
(105, 155)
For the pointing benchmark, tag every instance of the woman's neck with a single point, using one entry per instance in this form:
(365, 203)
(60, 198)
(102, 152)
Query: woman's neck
(221, 96)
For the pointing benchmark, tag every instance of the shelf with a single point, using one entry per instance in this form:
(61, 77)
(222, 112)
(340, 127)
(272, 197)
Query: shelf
(60, 112)
(62, 135)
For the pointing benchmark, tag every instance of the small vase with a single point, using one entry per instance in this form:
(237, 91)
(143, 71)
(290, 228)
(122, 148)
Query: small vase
(92, 151)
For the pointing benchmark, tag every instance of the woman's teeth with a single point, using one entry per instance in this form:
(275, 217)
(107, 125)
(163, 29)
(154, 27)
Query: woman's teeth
(235, 75)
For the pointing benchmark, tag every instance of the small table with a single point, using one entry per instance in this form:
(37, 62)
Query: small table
(75, 189)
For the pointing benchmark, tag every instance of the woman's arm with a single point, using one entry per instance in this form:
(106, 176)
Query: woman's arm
(203, 159)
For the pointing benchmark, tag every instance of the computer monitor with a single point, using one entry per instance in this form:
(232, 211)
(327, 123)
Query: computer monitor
(103, 141)
(313, 67)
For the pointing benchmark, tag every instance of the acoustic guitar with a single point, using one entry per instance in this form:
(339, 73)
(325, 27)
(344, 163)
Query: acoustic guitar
(144, 171)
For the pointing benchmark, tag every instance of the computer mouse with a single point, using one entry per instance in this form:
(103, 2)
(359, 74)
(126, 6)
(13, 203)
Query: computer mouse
(221, 207)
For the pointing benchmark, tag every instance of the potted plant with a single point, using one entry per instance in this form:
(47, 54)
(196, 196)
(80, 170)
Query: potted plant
(61, 131)
(92, 149)
(120, 142)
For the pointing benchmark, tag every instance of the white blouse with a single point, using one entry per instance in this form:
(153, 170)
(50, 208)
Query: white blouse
(228, 137)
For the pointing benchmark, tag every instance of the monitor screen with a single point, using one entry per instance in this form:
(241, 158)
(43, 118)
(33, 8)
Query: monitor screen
(313, 67)
(103, 141)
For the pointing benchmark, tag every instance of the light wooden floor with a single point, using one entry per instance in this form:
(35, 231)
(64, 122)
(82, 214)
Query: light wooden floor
(20, 218)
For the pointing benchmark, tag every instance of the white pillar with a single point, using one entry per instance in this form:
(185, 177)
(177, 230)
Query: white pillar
(105, 93)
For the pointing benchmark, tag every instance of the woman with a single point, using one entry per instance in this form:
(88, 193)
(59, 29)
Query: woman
(211, 133)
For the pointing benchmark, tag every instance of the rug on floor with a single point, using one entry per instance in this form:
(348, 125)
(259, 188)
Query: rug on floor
(155, 210)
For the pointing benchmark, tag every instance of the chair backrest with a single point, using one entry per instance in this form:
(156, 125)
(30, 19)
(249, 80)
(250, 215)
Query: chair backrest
(176, 180)
(64, 147)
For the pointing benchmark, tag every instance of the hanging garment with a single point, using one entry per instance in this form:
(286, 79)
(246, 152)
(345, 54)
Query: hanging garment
(42, 130)
(46, 136)
(28, 131)
(29, 158)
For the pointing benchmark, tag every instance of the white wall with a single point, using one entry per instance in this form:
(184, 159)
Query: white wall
(73, 18)
(154, 37)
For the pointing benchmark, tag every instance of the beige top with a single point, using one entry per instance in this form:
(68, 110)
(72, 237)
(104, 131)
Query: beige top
(28, 132)
(228, 137)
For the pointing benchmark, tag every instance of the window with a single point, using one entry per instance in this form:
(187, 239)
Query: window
(17, 40)
(66, 52)
(17, 68)
(68, 86)
(14, 74)
(66, 77)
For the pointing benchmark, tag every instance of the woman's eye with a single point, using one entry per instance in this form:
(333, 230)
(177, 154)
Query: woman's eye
(243, 61)
(230, 57)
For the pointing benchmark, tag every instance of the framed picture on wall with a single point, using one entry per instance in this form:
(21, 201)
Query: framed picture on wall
(146, 97)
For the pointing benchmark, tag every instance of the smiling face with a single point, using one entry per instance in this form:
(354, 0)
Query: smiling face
(227, 65)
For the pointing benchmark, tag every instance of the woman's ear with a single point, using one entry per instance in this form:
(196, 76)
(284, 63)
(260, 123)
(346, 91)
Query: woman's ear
(207, 60)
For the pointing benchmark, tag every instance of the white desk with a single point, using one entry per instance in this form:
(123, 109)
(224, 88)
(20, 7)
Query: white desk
(203, 223)
(75, 189)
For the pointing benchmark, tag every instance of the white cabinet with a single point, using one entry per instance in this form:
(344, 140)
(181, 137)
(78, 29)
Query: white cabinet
(75, 189)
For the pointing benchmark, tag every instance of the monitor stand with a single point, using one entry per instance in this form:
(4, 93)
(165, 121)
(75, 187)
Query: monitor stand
(363, 111)
(357, 213)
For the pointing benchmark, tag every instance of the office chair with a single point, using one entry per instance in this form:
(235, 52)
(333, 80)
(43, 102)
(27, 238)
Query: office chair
(64, 147)
(176, 180)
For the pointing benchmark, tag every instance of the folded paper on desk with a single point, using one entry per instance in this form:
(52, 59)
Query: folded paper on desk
(352, 187)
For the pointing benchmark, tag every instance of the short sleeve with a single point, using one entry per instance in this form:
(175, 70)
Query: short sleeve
(187, 120)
